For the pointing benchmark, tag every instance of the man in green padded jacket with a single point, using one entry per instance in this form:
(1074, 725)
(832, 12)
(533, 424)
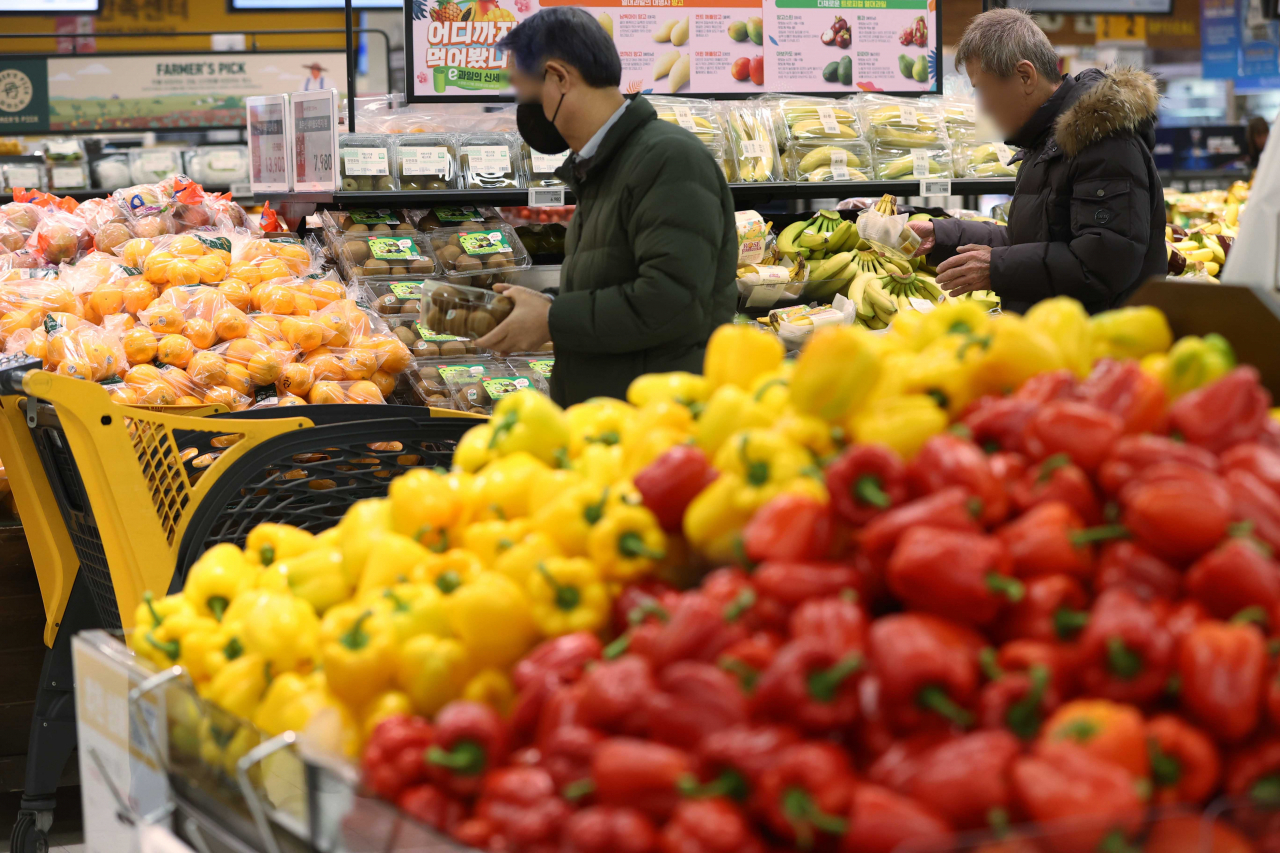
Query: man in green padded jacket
(652, 248)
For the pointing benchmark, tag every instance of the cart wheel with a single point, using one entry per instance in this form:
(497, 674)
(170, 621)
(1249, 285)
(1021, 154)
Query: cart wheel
(29, 832)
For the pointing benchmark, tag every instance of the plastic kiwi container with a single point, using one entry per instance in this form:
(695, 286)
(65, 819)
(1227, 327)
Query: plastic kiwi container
(479, 254)
(460, 311)
(427, 161)
(490, 161)
(384, 256)
(364, 161)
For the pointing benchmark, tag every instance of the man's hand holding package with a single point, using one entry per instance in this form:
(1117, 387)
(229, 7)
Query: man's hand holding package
(526, 327)
(968, 270)
(924, 229)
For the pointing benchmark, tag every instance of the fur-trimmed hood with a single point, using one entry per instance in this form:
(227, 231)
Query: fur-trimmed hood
(1122, 100)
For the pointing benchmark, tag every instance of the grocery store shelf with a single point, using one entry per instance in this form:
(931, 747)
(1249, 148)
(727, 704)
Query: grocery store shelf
(85, 195)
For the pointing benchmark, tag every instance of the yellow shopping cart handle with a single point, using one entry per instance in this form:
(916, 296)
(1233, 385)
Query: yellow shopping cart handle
(14, 368)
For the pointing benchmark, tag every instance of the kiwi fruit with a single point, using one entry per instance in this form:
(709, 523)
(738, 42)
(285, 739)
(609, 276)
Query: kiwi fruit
(399, 270)
(449, 255)
(480, 323)
(547, 347)
(500, 308)
(357, 251)
(452, 348)
(388, 303)
(431, 375)
(423, 349)
(445, 296)
(376, 266)
(456, 321)
(422, 266)
(410, 184)
(466, 263)
(497, 262)
(470, 227)
(429, 221)
(475, 395)
(472, 348)
(411, 307)
(435, 319)
(382, 228)
(406, 335)
(454, 241)
(386, 183)
(478, 411)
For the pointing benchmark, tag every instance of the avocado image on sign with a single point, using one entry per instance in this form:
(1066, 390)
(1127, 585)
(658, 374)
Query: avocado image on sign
(920, 71)
(846, 71)
(830, 72)
(905, 65)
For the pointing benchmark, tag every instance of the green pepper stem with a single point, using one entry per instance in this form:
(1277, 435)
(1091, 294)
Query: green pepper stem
(960, 430)
(765, 388)
(171, 649)
(1010, 588)
(742, 602)
(868, 489)
(1266, 791)
(217, 606)
(934, 698)
(448, 582)
(501, 428)
(939, 396)
(575, 791)
(1122, 660)
(466, 758)
(267, 554)
(757, 472)
(397, 603)
(645, 609)
(824, 683)
(730, 783)
(747, 674)
(631, 545)
(1051, 464)
(804, 816)
(609, 437)
(998, 820)
(1166, 770)
(1067, 622)
(1023, 717)
(1080, 730)
(1255, 615)
(233, 649)
(356, 637)
(988, 664)
(595, 511)
(1116, 842)
(617, 648)
(566, 597)
(150, 600)
(1099, 534)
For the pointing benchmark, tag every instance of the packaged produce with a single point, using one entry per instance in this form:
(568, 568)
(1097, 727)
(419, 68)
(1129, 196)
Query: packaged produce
(392, 254)
(960, 116)
(112, 172)
(427, 161)
(461, 311)
(695, 115)
(490, 161)
(68, 167)
(453, 216)
(896, 162)
(831, 160)
(365, 163)
(152, 165)
(988, 160)
(29, 176)
(361, 221)
(478, 253)
(754, 149)
(479, 394)
(806, 119)
(902, 122)
(220, 166)
(541, 167)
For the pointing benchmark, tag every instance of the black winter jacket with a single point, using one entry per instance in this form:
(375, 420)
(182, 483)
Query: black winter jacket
(1087, 218)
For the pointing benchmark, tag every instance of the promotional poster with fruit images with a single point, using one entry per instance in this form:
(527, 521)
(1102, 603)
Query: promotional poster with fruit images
(694, 47)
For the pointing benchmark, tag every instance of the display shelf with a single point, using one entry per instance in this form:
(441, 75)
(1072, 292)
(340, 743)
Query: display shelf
(85, 195)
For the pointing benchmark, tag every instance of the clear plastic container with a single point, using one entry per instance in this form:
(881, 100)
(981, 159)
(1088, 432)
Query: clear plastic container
(153, 165)
(475, 254)
(804, 119)
(369, 256)
(829, 160)
(445, 216)
(68, 176)
(64, 151)
(540, 168)
(755, 151)
(460, 311)
(896, 162)
(479, 394)
(536, 367)
(112, 172)
(490, 161)
(988, 160)
(396, 302)
(427, 161)
(695, 115)
(220, 166)
(31, 176)
(364, 222)
(364, 161)
(903, 122)
(960, 116)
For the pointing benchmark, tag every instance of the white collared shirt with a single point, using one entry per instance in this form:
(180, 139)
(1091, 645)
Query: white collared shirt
(589, 150)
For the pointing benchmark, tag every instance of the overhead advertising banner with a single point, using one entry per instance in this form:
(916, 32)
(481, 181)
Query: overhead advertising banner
(1237, 42)
(733, 48)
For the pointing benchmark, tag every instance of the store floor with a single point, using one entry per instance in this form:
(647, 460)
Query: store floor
(67, 835)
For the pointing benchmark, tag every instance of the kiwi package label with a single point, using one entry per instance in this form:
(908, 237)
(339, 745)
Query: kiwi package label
(502, 386)
(460, 372)
(426, 160)
(111, 380)
(374, 217)
(391, 249)
(216, 243)
(130, 270)
(364, 161)
(543, 365)
(285, 241)
(428, 334)
(466, 213)
(405, 289)
(484, 242)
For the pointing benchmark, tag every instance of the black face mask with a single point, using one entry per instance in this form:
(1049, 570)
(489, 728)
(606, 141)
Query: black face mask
(537, 130)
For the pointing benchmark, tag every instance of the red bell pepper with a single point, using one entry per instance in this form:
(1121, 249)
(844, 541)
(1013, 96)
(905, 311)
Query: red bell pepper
(782, 587)
(747, 658)
(1126, 390)
(670, 483)
(563, 707)
(392, 758)
(565, 656)
(1187, 834)
(952, 508)
(1061, 781)
(1008, 468)
(1253, 502)
(926, 669)
(997, 423)
(789, 527)
(694, 699)
(1083, 432)
(1134, 454)
(731, 761)
(700, 628)
(1049, 539)
(864, 481)
(1260, 461)
(609, 829)
(898, 765)
(1125, 652)
(964, 779)
(566, 753)
(1252, 777)
(646, 601)
(811, 684)
(966, 576)
(835, 622)
(1176, 511)
(1057, 479)
(1223, 668)
(1234, 576)
(881, 821)
(640, 774)
(1185, 764)
(947, 460)
(808, 790)
(429, 805)
(1019, 701)
(1233, 410)
(477, 833)
(873, 734)
(470, 740)
(1108, 730)
(1053, 610)
(616, 695)
(714, 825)
(1049, 386)
(1125, 565)
(522, 805)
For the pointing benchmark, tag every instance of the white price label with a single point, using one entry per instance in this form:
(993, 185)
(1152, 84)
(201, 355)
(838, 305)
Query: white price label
(968, 112)
(315, 125)
(840, 165)
(67, 177)
(157, 161)
(546, 197)
(545, 164)
(684, 118)
(1004, 152)
(27, 177)
(242, 189)
(224, 161)
(764, 295)
(268, 143)
(488, 158)
(755, 148)
(64, 148)
(908, 115)
(364, 161)
(935, 188)
(827, 116)
(924, 306)
(919, 163)
(426, 160)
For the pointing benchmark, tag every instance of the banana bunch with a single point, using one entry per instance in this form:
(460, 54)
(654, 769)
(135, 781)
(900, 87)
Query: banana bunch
(814, 164)
(892, 168)
(915, 285)
(1202, 248)
(887, 205)
(753, 143)
(988, 299)
(817, 239)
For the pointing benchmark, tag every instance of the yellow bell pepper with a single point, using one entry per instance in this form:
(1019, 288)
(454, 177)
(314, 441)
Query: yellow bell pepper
(312, 709)
(474, 450)
(317, 577)
(1194, 362)
(936, 372)
(658, 415)
(835, 373)
(521, 559)
(283, 690)
(767, 462)
(413, 608)
(546, 484)
(360, 529)
(267, 543)
(821, 439)
(238, 687)
(218, 576)
(493, 688)
(567, 594)
(601, 463)
(223, 742)
(281, 628)
(450, 571)
(736, 355)
(207, 649)
(903, 423)
(491, 617)
(432, 671)
(358, 652)
(959, 317)
(150, 640)
(569, 518)
(713, 522)
(1064, 320)
(600, 420)
(388, 703)
(489, 539)
(771, 391)
(395, 559)
(626, 543)
(1010, 353)
(1130, 332)
(729, 410)
(529, 422)
(639, 452)
(502, 489)
(427, 507)
(687, 389)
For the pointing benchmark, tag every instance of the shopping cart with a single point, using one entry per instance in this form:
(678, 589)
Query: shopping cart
(118, 501)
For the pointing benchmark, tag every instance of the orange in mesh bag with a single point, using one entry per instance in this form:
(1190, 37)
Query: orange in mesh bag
(81, 350)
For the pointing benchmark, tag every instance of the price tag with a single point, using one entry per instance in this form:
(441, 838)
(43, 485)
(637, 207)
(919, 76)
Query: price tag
(935, 188)
(364, 161)
(919, 163)
(755, 148)
(908, 115)
(1004, 152)
(269, 143)
(241, 190)
(924, 306)
(224, 161)
(546, 197)
(968, 112)
(315, 143)
(827, 116)
(684, 118)
(67, 177)
(27, 177)
(156, 161)
(840, 165)
(425, 160)
(545, 164)
(488, 158)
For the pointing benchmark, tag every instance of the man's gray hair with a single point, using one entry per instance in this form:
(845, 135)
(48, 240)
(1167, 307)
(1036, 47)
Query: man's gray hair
(1001, 38)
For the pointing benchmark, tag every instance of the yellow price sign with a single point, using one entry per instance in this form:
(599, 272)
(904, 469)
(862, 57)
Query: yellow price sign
(1132, 28)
